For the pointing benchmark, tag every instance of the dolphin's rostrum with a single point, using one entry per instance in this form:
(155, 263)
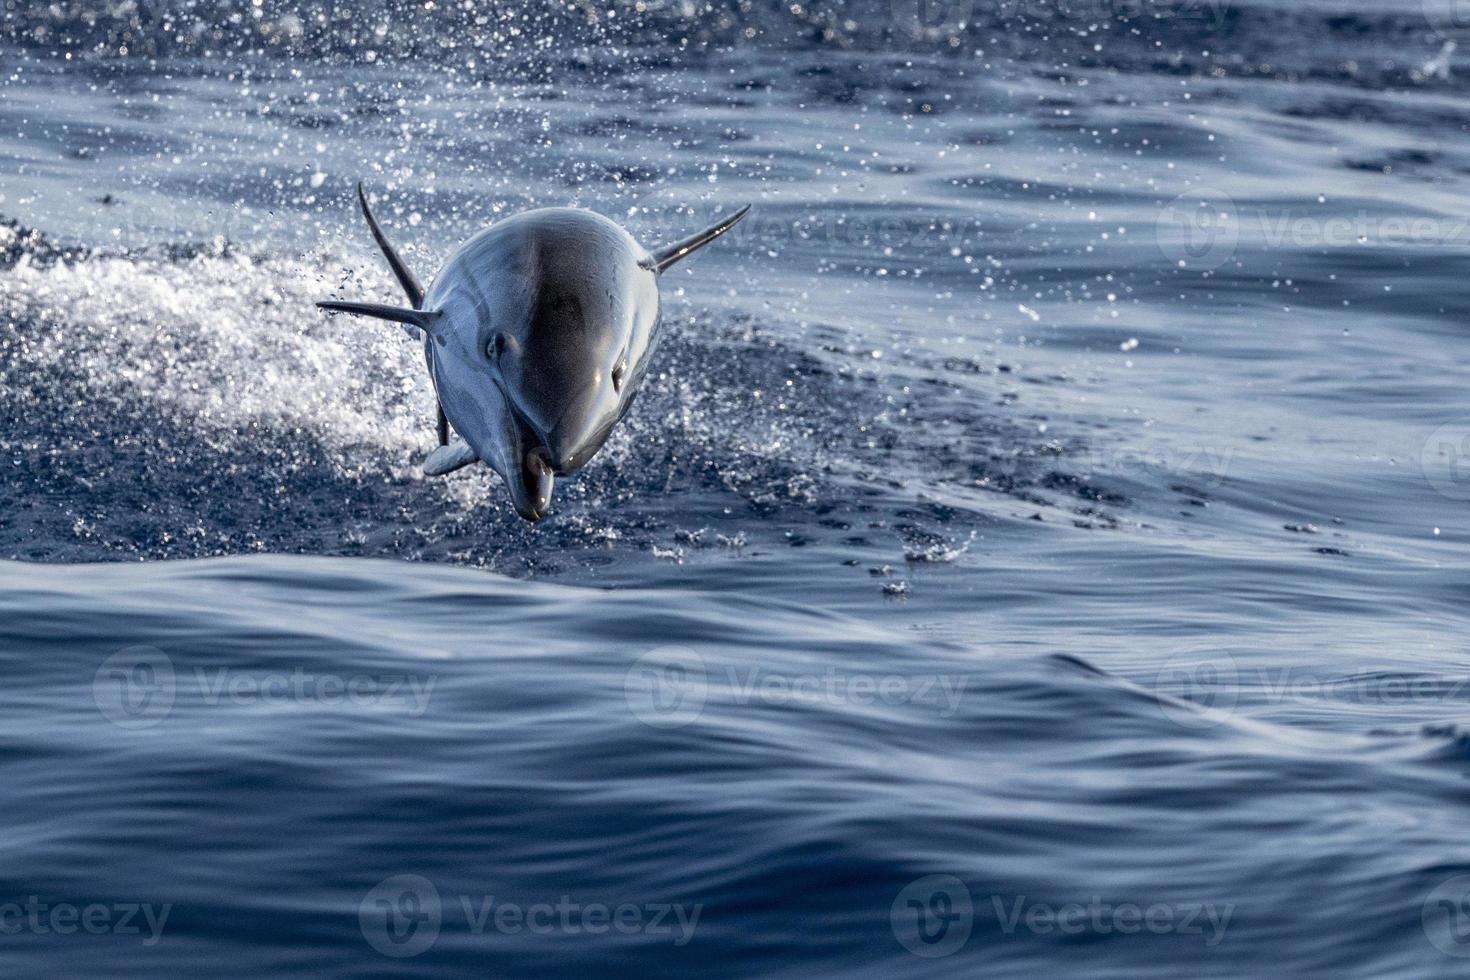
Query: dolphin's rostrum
(537, 333)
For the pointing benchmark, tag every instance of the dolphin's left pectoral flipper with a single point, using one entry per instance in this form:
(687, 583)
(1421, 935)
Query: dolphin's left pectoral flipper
(447, 459)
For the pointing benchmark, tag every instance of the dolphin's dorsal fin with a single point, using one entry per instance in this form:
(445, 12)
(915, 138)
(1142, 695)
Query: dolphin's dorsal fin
(405, 275)
(666, 257)
(447, 459)
(425, 320)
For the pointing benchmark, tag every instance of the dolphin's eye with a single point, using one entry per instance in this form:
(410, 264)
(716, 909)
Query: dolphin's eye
(619, 372)
(496, 347)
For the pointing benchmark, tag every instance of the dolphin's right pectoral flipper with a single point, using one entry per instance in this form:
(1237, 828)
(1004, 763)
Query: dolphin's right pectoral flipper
(447, 459)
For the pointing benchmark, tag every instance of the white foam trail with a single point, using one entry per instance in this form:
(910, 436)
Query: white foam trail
(228, 342)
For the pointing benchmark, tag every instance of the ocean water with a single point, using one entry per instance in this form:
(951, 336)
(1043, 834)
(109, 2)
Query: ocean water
(1038, 548)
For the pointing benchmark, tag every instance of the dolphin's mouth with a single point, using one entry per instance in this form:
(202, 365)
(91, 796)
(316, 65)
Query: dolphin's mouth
(546, 456)
(537, 479)
(531, 483)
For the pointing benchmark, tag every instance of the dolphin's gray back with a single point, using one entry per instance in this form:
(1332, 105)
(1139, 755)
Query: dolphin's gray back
(567, 248)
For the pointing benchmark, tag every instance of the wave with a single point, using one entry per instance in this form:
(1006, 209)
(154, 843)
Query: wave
(763, 762)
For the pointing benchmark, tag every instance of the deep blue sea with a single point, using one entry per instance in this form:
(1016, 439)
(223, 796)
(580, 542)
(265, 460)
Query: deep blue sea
(1039, 548)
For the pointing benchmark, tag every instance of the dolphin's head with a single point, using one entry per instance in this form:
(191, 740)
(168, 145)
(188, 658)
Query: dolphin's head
(536, 364)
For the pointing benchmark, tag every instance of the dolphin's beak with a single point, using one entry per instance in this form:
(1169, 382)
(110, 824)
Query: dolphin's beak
(503, 440)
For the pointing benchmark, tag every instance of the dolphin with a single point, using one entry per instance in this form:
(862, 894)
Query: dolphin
(537, 333)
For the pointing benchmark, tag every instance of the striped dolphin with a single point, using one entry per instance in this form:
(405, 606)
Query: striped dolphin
(537, 333)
